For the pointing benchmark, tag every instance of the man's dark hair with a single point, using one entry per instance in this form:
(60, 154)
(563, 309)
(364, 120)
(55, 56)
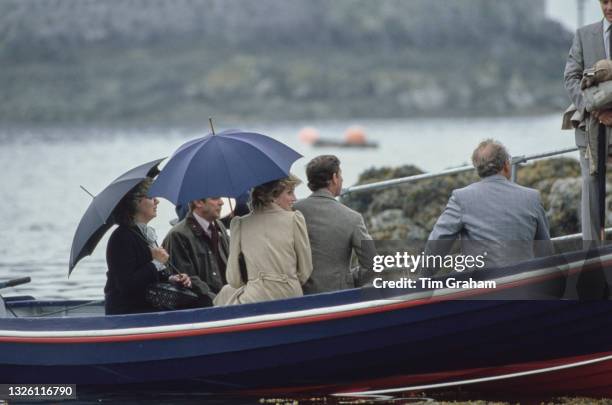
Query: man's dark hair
(320, 171)
(489, 158)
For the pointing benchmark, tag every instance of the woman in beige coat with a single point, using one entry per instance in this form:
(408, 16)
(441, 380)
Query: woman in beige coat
(274, 241)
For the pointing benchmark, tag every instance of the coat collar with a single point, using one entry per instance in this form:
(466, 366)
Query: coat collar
(272, 207)
(495, 177)
(204, 224)
(323, 193)
(597, 28)
(600, 49)
(195, 226)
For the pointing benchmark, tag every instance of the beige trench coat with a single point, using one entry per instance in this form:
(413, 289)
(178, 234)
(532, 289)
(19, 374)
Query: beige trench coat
(277, 254)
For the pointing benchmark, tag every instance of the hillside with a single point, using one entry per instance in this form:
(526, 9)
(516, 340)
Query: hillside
(165, 61)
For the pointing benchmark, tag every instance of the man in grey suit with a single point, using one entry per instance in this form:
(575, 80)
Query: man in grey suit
(494, 214)
(591, 44)
(334, 230)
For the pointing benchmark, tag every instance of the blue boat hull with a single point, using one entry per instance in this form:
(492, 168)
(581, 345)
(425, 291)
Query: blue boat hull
(317, 343)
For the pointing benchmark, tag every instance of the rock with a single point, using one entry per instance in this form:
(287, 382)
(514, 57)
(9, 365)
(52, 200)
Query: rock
(392, 224)
(361, 201)
(564, 206)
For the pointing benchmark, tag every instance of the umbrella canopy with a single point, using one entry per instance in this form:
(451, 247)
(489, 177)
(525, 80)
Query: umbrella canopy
(97, 219)
(222, 165)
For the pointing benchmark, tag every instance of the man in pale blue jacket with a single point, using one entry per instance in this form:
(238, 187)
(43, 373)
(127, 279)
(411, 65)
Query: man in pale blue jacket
(509, 217)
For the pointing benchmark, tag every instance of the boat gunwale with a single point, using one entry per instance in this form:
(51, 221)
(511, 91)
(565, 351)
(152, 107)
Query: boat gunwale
(288, 318)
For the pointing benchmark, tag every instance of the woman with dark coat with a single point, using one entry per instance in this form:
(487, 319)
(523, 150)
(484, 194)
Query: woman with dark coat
(134, 260)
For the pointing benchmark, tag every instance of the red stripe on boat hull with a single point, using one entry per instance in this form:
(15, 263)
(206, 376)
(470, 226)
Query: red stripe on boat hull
(593, 379)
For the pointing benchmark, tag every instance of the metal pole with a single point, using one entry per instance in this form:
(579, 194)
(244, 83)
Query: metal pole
(515, 161)
(410, 179)
(580, 12)
(573, 236)
(402, 180)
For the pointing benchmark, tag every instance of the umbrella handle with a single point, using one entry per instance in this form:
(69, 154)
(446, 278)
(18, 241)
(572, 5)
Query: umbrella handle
(170, 265)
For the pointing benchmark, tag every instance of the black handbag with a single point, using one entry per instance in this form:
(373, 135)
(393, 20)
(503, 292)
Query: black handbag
(168, 296)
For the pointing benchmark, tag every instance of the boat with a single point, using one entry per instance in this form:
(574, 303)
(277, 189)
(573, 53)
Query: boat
(354, 137)
(363, 340)
(334, 143)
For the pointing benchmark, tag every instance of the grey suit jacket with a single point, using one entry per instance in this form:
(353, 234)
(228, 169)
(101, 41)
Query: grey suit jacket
(506, 215)
(587, 48)
(334, 231)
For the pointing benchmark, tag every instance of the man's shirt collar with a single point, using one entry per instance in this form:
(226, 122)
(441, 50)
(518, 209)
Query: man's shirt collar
(203, 223)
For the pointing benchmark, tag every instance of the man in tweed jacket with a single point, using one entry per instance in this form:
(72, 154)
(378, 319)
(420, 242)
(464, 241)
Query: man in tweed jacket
(334, 230)
(504, 214)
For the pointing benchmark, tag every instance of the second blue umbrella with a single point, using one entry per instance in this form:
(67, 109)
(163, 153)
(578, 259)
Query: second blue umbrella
(222, 165)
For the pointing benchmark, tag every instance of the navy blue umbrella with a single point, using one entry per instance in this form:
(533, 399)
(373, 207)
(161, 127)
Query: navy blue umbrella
(98, 217)
(222, 165)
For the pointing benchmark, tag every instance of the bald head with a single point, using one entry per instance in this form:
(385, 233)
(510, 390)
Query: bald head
(490, 157)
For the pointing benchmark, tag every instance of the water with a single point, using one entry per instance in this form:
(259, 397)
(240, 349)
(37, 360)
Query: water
(41, 170)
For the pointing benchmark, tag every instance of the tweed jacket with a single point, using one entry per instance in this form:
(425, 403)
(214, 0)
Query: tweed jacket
(335, 231)
(191, 252)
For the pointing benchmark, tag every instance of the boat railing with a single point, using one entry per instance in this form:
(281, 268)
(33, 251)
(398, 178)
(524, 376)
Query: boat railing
(576, 236)
(515, 162)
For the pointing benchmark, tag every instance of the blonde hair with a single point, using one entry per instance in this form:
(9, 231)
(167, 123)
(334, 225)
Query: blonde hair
(264, 194)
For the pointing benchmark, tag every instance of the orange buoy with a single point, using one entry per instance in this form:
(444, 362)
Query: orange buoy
(355, 135)
(308, 135)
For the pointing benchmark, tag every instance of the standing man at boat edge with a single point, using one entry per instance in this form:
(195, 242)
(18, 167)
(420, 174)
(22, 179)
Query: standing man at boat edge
(591, 43)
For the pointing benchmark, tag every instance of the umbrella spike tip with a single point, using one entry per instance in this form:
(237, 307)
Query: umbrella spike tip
(87, 191)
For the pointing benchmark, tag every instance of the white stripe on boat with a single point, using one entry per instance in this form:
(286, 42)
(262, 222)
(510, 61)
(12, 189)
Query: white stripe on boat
(574, 266)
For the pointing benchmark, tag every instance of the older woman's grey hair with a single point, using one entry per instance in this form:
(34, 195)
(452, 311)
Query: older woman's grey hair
(125, 211)
(264, 194)
(489, 158)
